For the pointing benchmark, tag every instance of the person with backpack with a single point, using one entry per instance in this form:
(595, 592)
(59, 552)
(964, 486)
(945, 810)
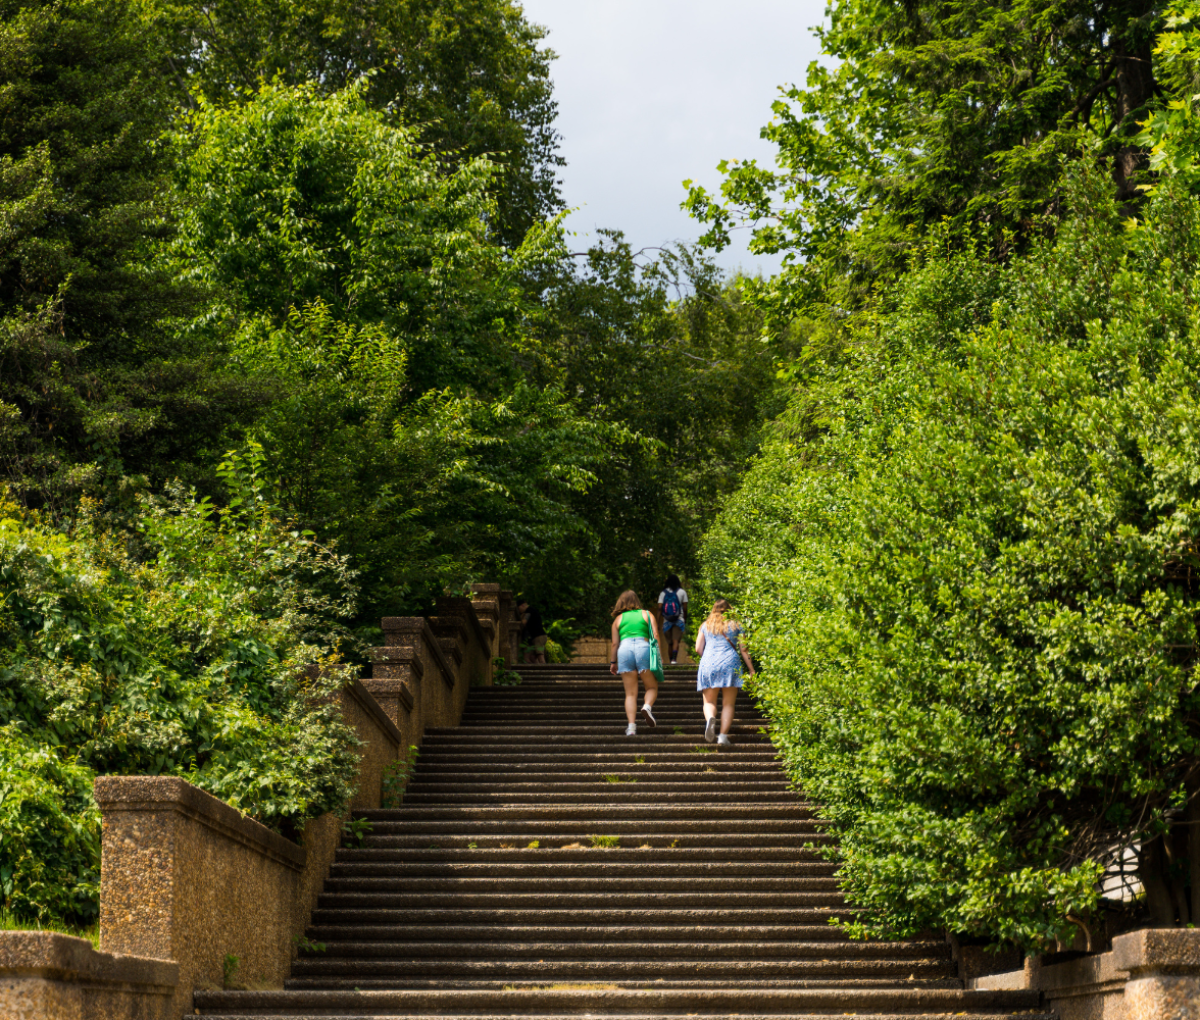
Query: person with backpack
(673, 600)
(632, 629)
(722, 653)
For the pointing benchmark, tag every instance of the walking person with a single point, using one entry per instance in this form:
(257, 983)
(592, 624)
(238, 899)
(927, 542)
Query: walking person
(632, 628)
(722, 653)
(533, 633)
(673, 600)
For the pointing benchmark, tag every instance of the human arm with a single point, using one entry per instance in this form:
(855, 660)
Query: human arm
(616, 641)
(700, 642)
(746, 657)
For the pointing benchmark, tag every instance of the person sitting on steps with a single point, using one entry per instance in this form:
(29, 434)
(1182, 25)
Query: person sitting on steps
(631, 630)
(721, 654)
(673, 600)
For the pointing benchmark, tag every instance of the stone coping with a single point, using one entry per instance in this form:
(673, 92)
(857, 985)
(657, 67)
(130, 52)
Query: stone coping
(419, 626)
(362, 697)
(57, 957)
(464, 609)
(1162, 950)
(392, 688)
(170, 793)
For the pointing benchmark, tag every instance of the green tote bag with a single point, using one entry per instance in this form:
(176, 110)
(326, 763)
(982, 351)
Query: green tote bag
(656, 666)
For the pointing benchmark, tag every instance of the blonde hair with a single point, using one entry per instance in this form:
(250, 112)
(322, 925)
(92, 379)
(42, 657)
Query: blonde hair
(719, 620)
(626, 601)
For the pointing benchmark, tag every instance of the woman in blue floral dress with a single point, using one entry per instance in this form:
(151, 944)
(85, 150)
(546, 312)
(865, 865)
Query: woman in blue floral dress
(721, 654)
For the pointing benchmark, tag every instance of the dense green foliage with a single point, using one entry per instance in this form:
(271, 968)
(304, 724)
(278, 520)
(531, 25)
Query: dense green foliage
(934, 111)
(178, 649)
(470, 76)
(968, 557)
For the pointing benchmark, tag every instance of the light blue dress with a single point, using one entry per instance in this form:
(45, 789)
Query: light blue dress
(720, 665)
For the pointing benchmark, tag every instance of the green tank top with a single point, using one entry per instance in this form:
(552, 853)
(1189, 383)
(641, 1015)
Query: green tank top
(633, 624)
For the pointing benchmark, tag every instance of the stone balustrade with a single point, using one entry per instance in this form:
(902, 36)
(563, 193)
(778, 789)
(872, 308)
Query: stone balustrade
(193, 893)
(1153, 974)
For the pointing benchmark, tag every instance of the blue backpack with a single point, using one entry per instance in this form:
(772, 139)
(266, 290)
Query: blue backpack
(671, 606)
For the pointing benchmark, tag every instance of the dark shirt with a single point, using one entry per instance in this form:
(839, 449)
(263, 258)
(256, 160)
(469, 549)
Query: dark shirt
(533, 625)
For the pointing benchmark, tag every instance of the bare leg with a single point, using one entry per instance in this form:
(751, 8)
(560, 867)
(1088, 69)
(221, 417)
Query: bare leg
(651, 688)
(709, 694)
(727, 701)
(631, 706)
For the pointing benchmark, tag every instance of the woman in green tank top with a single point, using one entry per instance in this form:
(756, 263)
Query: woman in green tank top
(632, 628)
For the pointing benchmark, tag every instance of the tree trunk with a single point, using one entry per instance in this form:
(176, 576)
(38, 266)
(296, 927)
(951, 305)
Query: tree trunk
(1132, 40)
(1151, 873)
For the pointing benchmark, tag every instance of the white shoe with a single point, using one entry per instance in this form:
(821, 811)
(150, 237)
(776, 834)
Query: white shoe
(649, 715)
(710, 731)
(631, 730)
(723, 739)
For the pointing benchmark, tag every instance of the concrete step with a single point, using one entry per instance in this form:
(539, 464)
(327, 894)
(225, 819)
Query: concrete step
(636, 965)
(559, 934)
(500, 985)
(590, 783)
(617, 793)
(561, 812)
(389, 894)
(704, 948)
(606, 1001)
(790, 845)
(361, 861)
(627, 1016)
(810, 920)
(615, 820)
(627, 755)
(714, 765)
(608, 866)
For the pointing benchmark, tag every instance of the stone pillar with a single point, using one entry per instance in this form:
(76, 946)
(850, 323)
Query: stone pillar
(485, 598)
(1164, 973)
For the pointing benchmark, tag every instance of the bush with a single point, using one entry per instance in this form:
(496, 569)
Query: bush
(49, 833)
(969, 560)
(180, 650)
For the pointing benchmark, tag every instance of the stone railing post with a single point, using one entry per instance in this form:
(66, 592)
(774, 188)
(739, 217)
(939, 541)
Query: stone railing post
(1164, 973)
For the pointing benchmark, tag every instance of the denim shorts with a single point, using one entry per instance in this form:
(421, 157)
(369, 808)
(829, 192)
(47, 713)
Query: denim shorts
(633, 655)
(681, 623)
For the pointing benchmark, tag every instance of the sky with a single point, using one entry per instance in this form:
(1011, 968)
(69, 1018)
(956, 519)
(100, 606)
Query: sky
(653, 92)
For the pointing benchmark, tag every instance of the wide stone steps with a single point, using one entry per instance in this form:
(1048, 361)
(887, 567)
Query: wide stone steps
(879, 1003)
(369, 893)
(765, 910)
(611, 934)
(543, 864)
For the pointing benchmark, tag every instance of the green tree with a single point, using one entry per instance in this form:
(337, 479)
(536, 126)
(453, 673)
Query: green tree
(935, 111)
(471, 76)
(343, 261)
(968, 558)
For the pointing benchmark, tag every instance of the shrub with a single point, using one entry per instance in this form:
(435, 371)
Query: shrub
(969, 560)
(180, 649)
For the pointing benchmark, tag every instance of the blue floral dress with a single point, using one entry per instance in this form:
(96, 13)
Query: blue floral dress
(720, 665)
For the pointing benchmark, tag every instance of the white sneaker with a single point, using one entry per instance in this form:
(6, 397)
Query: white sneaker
(710, 731)
(631, 730)
(649, 715)
(723, 739)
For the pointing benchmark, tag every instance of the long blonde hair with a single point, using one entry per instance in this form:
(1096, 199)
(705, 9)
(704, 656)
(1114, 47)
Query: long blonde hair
(719, 620)
(626, 601)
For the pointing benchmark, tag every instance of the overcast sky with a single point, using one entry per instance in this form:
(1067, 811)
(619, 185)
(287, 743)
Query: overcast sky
(652, 92)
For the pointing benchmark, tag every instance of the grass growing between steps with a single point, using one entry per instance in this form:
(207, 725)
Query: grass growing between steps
(9, 922)
(605, 842)
(618, 779)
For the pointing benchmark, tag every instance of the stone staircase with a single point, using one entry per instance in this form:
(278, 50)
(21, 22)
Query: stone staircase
(544, 865)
